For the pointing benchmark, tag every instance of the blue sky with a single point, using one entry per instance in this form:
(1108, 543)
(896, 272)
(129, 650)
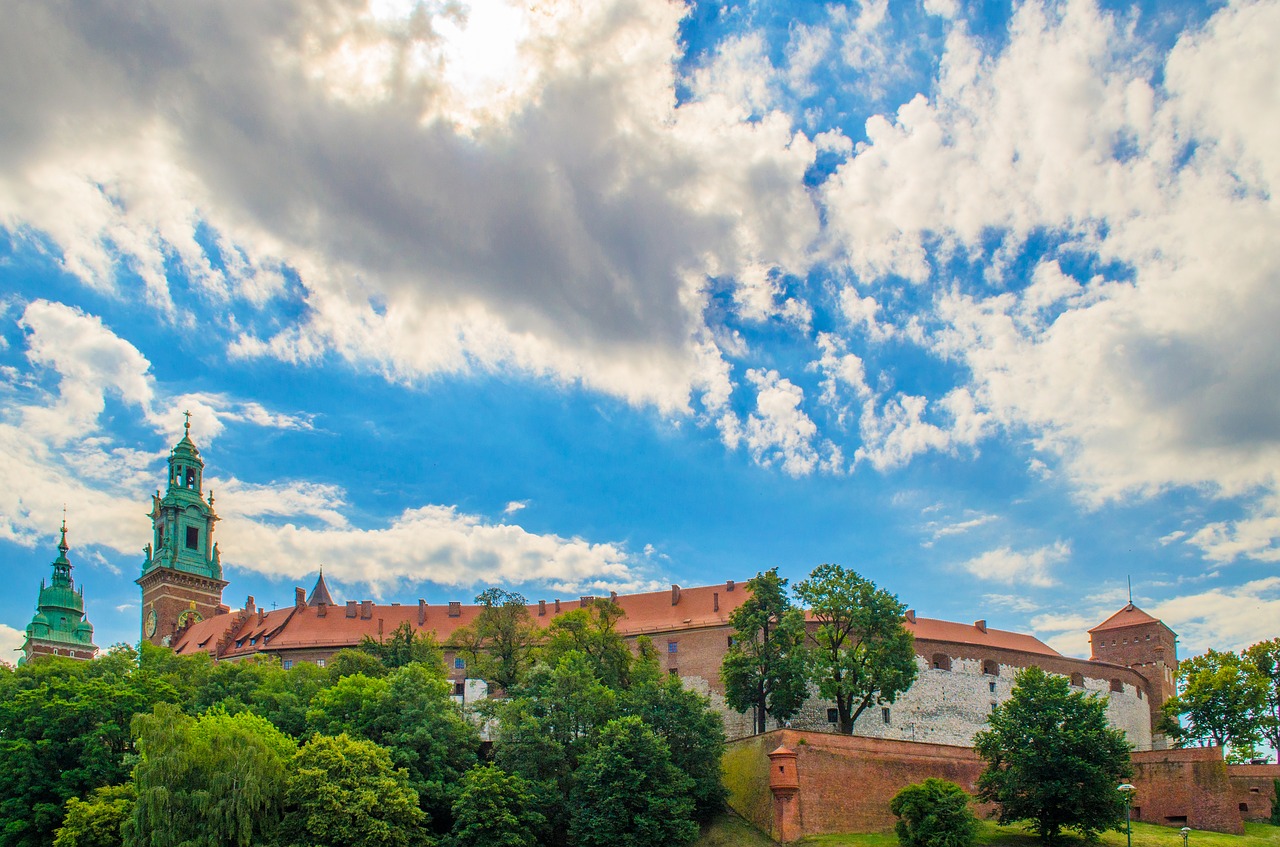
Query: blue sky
(977, 299)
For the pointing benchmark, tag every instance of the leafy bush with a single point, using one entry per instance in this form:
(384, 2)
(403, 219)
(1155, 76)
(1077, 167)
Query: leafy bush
(934, 813)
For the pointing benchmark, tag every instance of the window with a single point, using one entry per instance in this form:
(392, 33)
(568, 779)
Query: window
(319, 663)
(253, 641)
(1117, 685)
(1244, 807)
(459, 689)
(288, 664)
(459, 663)
(941, 662)
(191, 478)
(884, 714)
(990, 667)
(193, 538)
(833, 715)
(238, 643)
(993, 706)
(730, 640)
(673, 646)
(991, 686)
(1077, 679)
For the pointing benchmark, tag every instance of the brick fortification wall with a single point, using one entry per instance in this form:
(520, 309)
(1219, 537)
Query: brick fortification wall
(1253, 789)
(1185, 788)
(845, 782)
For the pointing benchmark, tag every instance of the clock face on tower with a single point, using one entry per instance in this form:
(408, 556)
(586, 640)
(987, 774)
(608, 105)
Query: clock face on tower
(150, 623)
(189, 616)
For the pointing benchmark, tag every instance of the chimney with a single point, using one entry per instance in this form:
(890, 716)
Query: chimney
(585, 601)
(351, 608)
(613, 597)
(981, 625)
(299, 598)
(366, 610)
(715, 601)
(249, 605)
(557, 605)
(262, 615)
(675, 594)
(728, 585)
(379, 629)
(321, 609)
(422, 612)
(911, 615)
(455, 608)
(542, 608)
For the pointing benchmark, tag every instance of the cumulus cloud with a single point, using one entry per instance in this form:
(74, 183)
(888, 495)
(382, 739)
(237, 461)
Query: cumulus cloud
(779, 430)
(1032, 567)
(1151, 374)
(10, 643)
(1227, 618)
(288, 527)
(560, 220)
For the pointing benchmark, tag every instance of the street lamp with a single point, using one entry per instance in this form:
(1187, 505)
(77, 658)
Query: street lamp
(1186, 830)
(1127, 790)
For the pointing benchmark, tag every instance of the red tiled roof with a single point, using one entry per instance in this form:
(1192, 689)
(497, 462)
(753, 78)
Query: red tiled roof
(936, 630)
(1130, 615)
(203, 636)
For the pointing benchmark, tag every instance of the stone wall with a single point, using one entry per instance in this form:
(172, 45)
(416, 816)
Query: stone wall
(1253, 789)
(1185, 788)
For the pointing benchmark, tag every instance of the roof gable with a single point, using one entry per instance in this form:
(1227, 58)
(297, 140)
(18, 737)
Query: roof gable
(1130, 615)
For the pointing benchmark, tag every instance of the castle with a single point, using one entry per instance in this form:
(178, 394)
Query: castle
(964, 669)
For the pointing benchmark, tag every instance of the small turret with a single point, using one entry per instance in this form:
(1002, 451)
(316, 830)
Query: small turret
(59, 627)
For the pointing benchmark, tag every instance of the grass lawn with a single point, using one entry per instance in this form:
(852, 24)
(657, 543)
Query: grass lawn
(732, 831)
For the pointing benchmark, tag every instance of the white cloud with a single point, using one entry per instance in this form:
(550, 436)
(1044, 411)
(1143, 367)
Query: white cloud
(1136, 382)
(288, 527)
(557, 214)
(973, 520)
(1033, 567)
(1012, 602)
(779, 430)
(515, 506)
(1228, 618)
(10, 643)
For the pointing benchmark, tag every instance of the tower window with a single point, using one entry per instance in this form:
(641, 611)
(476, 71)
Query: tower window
(193, 538)
(191, 478)
(884, 713)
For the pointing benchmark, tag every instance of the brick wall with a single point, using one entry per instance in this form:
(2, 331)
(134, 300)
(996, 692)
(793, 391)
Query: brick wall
(1253, 789)
(1185, 788)
(846, 782)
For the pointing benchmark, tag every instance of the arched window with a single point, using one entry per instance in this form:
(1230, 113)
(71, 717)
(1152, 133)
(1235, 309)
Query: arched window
(990, 667)
(941, 662)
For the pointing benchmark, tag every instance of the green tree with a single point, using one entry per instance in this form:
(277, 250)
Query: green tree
(628, 794)
(96, 821)
(934, 813)
(1265, 659)
(1052, 759)
(64, 731)
(693, 733)
(496, 809)
(592, 631)
(501, 642)
(1275, 802)
(344, 792)
(405, 645)
(1221, 700)
(211, 781)
(863, 655)
(764, 668)
(350, 661)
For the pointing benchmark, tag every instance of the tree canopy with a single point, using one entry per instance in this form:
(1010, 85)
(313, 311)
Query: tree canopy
(1265, 659)
(1221, 700)
(1053, 759)
(764, 668)
(862, 653)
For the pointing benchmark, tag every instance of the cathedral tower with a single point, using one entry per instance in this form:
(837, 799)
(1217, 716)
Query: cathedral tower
(181, 576)
(59, 627)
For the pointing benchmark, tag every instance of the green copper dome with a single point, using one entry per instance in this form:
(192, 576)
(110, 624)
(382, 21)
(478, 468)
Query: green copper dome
(183, 520)
(59, 619)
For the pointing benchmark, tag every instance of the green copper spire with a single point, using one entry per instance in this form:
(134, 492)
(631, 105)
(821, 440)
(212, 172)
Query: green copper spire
(59, 625)
(182, 521)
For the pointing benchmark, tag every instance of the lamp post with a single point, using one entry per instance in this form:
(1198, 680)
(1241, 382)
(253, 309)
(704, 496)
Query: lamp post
(1127, 790)
(1186, 830)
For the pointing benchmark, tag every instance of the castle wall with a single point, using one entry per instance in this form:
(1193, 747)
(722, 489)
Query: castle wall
(1253, 789)
(845, 782)
(1187, 787)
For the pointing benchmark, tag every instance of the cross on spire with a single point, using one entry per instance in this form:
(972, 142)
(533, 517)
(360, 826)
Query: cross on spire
(187, 425)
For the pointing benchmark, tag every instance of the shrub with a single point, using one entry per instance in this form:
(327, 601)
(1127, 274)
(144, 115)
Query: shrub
(934, 813)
